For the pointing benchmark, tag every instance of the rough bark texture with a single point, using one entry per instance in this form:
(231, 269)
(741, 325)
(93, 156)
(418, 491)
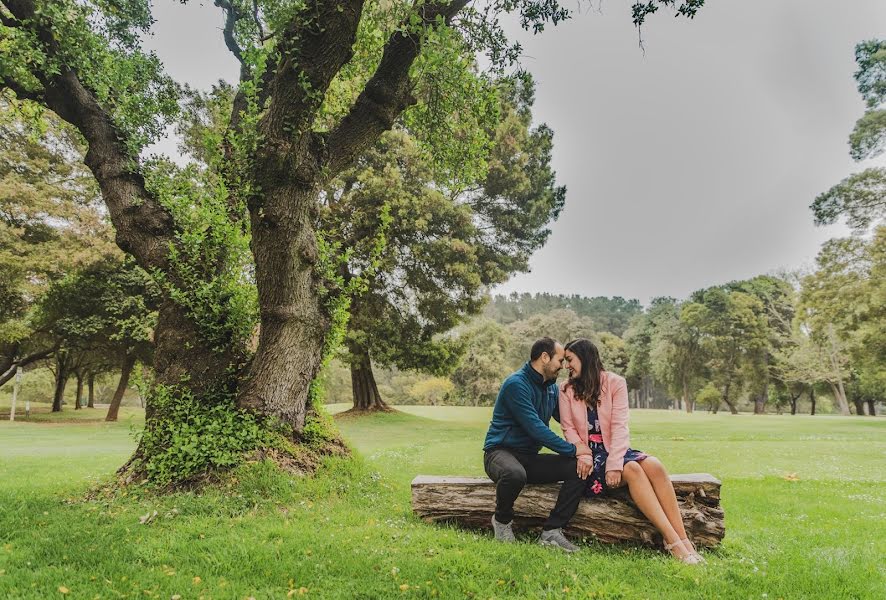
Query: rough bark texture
(732, 408)
(840, 397)
(471, 501)
(61, 380)
(79, 394)
(363, 387)
(114, 408)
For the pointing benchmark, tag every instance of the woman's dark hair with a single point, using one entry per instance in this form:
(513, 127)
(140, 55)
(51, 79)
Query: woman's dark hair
(586, 385)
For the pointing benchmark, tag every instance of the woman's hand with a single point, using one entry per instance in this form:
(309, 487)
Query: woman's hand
(584, 465)
(613, 479)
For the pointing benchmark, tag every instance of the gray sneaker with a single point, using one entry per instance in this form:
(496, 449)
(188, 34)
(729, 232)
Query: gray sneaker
(555, 537)
(503, 531)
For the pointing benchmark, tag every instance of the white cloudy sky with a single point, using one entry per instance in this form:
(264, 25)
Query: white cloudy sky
(688, 165)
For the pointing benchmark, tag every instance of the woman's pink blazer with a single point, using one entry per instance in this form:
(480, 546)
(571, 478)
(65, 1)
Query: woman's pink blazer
(612, 412)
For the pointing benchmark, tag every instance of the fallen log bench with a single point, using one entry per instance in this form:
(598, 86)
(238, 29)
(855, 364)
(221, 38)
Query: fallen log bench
(470, 502)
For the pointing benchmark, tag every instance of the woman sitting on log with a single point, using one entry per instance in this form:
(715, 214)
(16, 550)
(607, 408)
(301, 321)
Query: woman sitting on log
(594, 413)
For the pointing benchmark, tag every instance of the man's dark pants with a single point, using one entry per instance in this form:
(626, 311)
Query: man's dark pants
(511, 470)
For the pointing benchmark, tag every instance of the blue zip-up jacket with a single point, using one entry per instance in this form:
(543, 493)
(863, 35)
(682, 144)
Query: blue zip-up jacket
(522, 411)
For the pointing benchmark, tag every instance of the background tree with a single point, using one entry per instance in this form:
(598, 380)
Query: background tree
(777, 300)
(50, 224)
(827, 309)
(639, 338)
(445, 245)
(734, 338)
(608, 314)
(105, 312)
(675, 355)
(484, 364)
(861, 197)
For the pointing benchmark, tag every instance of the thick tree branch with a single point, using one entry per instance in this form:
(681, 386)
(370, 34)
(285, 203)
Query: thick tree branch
(313, 48)
(144, 228)
(388, 92)
(232, 15)
(9, 373)
(5, 20)
(20, 91)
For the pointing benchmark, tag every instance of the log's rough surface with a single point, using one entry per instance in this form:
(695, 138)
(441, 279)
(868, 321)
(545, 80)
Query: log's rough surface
(470, 502)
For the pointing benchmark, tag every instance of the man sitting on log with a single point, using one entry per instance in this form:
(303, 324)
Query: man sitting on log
(519, 428)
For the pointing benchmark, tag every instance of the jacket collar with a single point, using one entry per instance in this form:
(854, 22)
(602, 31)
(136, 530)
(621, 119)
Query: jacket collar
(534, 376)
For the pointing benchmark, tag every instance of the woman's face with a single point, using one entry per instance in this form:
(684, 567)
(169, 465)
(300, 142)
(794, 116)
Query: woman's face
(573, 364)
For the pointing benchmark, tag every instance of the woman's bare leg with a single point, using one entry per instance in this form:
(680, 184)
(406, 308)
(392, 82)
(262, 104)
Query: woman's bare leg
(664, 491)
(644, 496)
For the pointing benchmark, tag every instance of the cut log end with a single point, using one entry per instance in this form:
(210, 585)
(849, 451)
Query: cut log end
(470, 502)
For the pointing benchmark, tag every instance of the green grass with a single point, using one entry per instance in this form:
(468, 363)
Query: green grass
(349, 532)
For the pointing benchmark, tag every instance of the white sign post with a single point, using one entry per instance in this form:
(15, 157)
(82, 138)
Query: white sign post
(15, 386)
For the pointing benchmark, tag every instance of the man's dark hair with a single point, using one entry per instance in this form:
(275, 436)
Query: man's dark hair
(542, 345)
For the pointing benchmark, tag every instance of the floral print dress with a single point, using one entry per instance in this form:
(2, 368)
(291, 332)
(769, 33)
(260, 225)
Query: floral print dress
(597, 478)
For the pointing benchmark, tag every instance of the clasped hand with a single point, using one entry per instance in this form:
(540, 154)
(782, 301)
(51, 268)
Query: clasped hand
(584, 461)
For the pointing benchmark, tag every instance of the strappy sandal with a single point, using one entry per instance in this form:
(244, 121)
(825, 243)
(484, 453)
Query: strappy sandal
(689, 559)
(688, 544)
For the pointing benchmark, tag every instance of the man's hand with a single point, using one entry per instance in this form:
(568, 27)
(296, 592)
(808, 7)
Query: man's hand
(584, 466)
(613, 479)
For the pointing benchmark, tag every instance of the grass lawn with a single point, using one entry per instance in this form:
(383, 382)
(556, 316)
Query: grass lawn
(349, 532)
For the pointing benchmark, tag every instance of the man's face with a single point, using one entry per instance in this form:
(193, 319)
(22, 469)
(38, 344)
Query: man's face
(554, 364)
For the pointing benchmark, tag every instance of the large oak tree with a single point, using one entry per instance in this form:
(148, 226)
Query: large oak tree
(288, 135)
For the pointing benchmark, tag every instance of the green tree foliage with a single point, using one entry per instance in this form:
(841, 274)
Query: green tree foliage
(51, 223)
(484, 364)
(320, 81)
(445, 245)
(639, 339)
(842, 308)
(608, 314)
(861, 197)
(776, 297)
(734, 337)
(676, 357)
(709, 397)
(100, 317)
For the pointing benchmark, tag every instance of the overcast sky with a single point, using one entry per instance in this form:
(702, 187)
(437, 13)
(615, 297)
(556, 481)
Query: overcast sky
(689, 165)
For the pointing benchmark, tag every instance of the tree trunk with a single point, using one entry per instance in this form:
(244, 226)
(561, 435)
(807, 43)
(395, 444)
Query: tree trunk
(294, 323)
(759, 404)
(687, 401)
(470, 502)
(363, 386)
(61, 380)
(859, 407)
(128, 364)
(812, 399)
(794, 400)
(79, 391)
(728, 402)
(840, 397)
(872, 411)
(90, 384)
(760, 400)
